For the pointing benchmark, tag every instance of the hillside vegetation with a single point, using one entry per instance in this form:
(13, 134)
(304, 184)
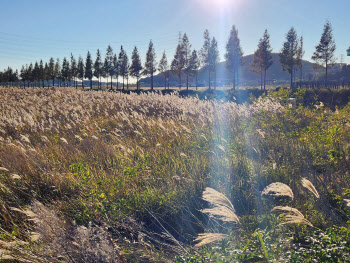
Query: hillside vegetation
(96, 176)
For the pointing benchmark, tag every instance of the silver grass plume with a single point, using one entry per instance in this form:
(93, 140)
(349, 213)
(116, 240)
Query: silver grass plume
(278, 189)
(222, 207)
(294, 219)
(207, 238)
(291, 215)
(287, 209)
(308, 185)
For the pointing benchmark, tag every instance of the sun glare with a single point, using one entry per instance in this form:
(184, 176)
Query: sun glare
(218, 4)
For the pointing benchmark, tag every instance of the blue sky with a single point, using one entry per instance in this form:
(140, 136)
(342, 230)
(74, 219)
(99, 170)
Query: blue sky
(37, 29)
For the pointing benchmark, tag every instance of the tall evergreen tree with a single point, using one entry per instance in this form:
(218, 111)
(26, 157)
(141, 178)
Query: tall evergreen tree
(88, 68)
(30, 74)
(186, 48)
(98, 68)
(204, 52)
(234, 55)
(178, 63)
(57, 72)
(105, 71)
(23, 75)
(36, 73)
(136, 66)
(123, 64)
(255, 66)
(163, 67)
(73, 69)
(65, 71)
(41, 73)
(52, 70)
(47, 75)
(150, 63)
(301, 53)
(262, 60)
(116, 69)
(108, 66)
(81, 70)
(289, 54)
(194, 65)
(324, 54)
(213, 58)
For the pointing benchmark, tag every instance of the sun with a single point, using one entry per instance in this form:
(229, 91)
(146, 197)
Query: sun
(218, 4)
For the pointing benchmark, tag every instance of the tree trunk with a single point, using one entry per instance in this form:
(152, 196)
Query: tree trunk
(265, 79)
(111, 83)
(165, 81)
(196, 81)
(123, 82)
(215, 80)
(326, 74)
(209, 78)
(187, 81)
(152, 81)
(117, 82)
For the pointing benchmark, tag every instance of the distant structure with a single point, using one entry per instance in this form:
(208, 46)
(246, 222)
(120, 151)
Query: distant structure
(348, 51)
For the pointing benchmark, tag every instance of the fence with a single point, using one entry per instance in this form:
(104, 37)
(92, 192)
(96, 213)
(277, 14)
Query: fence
(322, 84)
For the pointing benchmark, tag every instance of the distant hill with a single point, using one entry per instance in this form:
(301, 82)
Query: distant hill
(224, 76)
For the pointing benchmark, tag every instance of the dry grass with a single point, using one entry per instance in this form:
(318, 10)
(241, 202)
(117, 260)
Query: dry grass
(308, 185)
(278, 190)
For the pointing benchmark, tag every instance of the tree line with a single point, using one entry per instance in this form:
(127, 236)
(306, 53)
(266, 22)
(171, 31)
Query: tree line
(186, 62)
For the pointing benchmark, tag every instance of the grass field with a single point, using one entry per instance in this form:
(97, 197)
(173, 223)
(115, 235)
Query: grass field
(96, 176)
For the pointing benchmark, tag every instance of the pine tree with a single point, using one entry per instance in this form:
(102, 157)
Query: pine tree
(23, 75)
(324, 54)
(150, 63)
(57, 71)
(116, 69)
(123, 64)
(178, 63)
(98, 68)
(105, 70)
(194, 65)
(204, 52)
(81, 70)
(186, 48)
(213, 58)
(108, 66)
(301, 54)
(234, 55)
(289, 53)
(262, 60)
(36, 73)
(163, 67)
(52, 70)
(65, 71)
(255, 66)
(73, 70)
(88, 68)
(30, 74)
(41, 73)
(136, 66)
(47, 74)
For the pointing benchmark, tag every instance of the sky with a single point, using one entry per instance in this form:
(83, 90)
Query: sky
(38, 29)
